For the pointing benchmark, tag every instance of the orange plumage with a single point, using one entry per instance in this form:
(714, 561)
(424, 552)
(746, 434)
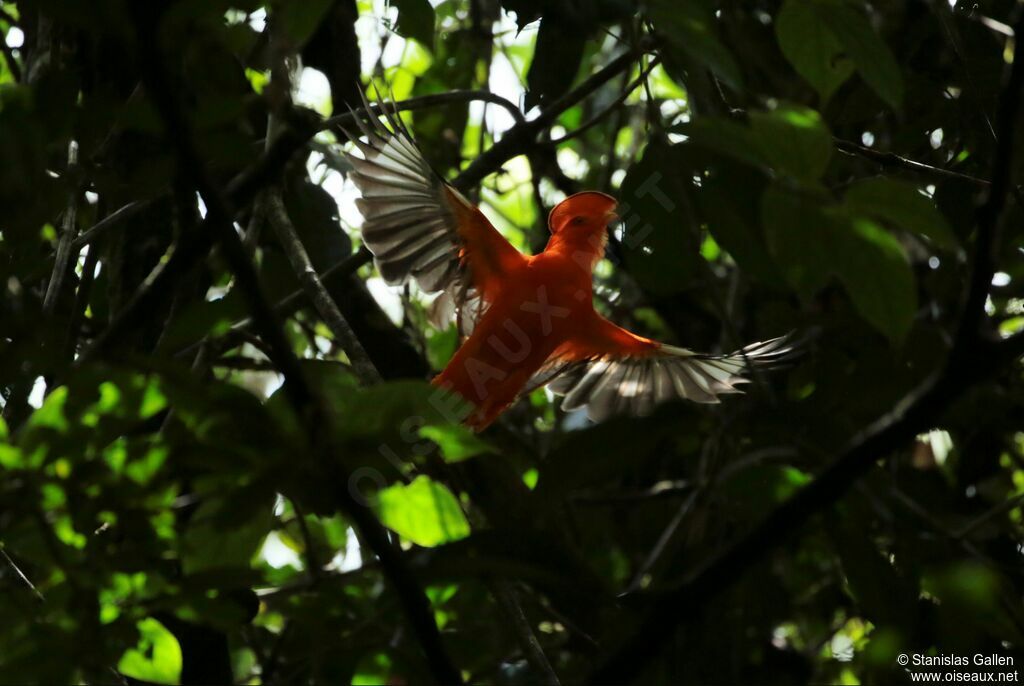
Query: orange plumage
(534, 317)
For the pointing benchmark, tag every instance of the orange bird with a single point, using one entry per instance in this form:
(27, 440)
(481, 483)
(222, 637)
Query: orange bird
(533, 319)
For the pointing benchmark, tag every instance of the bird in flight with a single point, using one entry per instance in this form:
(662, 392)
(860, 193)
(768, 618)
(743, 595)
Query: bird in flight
(530, 320)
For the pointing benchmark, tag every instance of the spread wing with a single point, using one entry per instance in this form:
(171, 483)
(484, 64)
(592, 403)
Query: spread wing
(417, 225)
(612, 371)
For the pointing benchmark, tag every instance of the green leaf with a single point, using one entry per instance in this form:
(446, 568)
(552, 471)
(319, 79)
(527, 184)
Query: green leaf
(799, 236)
(736, 232)
(873, 267)
(556, 60)
(315, 215)
(755, 490)
(794, 139)
(812, 49)
(372, 669)
(885, 595)
(875, 62)
(301, 19)
(725, 136)
(903, 205)
(226, 533)
(790, 139)
(51, 415)
(977, 598)
(416, 20)
(661, 241)
(811, 241)
(690, 28)
(424, 511)
(157, 656)
(457, 442)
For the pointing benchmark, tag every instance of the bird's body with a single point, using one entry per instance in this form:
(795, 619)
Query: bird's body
(535, 322)
(543, 311)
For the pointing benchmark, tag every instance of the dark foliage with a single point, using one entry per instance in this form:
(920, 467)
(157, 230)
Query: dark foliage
(211, 474)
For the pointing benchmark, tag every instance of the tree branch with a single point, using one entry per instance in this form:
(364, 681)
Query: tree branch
(423, 102)
(16, 407)
(300, 126)
(522, 135)
(971, 359)
(288, 305)
(110, 221)
(305, 403)
(20, 574)
(505, 594)
(599, 117)
(278, 218)
(69, 227)
(891, 160)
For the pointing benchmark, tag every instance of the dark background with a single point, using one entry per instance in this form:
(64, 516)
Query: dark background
(197, 486)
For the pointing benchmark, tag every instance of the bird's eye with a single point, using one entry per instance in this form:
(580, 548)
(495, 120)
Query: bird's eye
(578, 220)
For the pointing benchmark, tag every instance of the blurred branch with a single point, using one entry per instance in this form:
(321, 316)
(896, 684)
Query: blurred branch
(523, 132)
(240, 363)
(307, 406)
(423, 102)
(922, 514)
(665, 489)
(20, 574)
(891, 160)
(16, 407)
(663, 540)
(599, 117)
(298, 128)
(971, 359)
(81, 303)
(270, 205)
(505, 594)
(110, 221)
(293, 301)
(999, 509)
(522, 135)
(68, 228)
(314, 288)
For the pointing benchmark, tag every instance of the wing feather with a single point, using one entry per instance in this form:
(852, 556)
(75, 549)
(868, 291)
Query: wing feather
(616, 372)
(416, 225)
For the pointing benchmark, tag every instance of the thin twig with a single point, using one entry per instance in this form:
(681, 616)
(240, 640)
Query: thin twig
(424, 102)
(999, 509)
(599, 117)
(304, 402)
(69, 227)
(891, 160)
(21, 575)
(297, 256)
(505, 594)
(663, 490)
(971, 359)
(291, 303)
(16, 407)
(659, 546)
(522, 135)
(110, 221)
(81, 302)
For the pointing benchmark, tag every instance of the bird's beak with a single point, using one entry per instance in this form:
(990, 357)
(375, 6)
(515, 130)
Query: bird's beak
(611, 216)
